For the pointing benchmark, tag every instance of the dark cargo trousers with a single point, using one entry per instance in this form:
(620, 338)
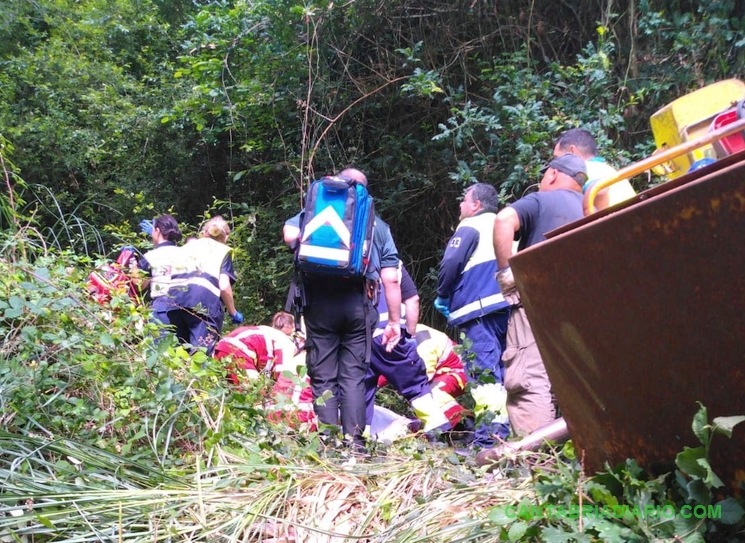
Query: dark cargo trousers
(402, 368)
(339, 320)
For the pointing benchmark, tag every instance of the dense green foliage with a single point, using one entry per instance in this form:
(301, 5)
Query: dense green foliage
(118, 109)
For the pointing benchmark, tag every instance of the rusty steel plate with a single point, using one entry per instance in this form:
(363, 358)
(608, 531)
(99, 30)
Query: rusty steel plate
(639, 314)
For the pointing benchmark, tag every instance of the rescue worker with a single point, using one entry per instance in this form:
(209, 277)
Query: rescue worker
(444, 373)
(158, 264)
(251, 351)
(339, 317)
(580, 142)
(470, 299)
(405, 370)
(255, 350)
(445, 369)
(202, 286)
(530, 400)
(284, 322)
(409, 299)
(466, 293)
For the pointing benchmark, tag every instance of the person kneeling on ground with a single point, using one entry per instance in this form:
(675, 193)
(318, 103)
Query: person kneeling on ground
(429, 361)
(254, 350)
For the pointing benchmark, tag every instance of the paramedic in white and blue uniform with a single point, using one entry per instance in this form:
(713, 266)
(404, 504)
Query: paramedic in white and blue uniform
(467, 294)
(201, 285)
(157, 266)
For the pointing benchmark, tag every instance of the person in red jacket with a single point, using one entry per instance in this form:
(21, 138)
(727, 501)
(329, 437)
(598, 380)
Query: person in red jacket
(251, 351)
(254, 350)
(444, 366)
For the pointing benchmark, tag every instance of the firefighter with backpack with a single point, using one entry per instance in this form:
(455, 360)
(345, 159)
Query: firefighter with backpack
(343, 252)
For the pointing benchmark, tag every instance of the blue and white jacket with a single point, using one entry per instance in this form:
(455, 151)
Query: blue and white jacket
(159, 263)
(195, 282)
(467, 271)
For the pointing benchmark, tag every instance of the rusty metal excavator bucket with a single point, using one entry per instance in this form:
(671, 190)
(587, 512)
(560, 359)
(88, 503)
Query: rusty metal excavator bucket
(639, 313)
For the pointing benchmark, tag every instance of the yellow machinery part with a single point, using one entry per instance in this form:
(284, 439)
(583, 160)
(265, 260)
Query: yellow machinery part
(690, 117)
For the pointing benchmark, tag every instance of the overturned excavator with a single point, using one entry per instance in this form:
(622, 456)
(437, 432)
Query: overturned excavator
(639, 309)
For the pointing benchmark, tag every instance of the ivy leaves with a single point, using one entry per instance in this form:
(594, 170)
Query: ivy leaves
(624, 504)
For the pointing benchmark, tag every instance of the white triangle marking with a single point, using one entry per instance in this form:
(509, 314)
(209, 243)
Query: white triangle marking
(330, 217)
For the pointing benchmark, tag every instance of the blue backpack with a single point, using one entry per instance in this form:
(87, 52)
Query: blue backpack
(336, 229)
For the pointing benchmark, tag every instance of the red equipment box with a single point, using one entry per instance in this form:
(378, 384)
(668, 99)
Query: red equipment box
(731, 144)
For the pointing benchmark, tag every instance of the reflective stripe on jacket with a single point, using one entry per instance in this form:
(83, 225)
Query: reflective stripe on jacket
(196, 284)
(162, 261)
(477, 292)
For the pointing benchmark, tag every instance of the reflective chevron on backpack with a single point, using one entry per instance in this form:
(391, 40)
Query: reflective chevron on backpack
(336, 229)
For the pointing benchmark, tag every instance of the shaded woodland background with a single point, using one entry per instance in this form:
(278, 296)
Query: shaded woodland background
(112, 111)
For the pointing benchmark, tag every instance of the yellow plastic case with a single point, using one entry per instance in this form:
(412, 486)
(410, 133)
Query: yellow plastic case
(689, 117)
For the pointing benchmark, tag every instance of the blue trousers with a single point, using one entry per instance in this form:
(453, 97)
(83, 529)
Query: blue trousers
(192, 328)
(402, 368)
(488, 335)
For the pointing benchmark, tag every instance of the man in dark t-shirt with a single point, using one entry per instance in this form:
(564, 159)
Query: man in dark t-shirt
(530, 401)
(410, 301)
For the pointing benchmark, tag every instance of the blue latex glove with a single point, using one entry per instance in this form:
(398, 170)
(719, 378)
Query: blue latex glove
(146, 226)
(443, 306)
(237, 318)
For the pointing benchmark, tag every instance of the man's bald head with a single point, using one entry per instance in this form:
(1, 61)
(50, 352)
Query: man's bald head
(353, 174)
